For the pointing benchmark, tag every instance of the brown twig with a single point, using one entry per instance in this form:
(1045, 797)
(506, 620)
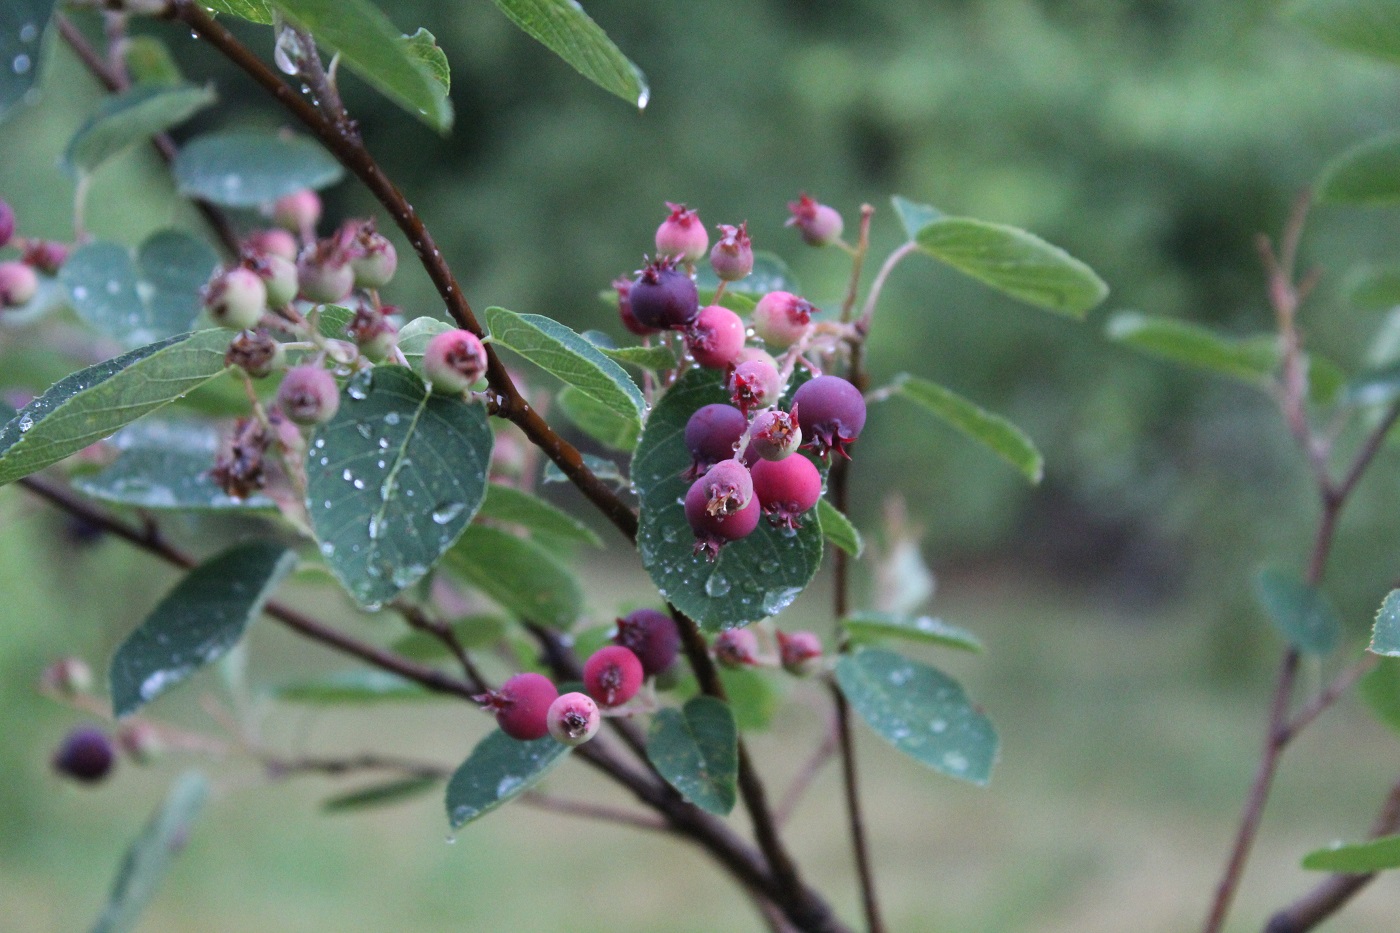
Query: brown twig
(418, 618)
(594, 811)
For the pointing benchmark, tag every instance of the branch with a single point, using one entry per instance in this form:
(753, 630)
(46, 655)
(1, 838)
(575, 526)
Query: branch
(593, 811)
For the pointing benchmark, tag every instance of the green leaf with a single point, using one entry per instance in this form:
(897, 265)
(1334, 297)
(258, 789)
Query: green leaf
(164, 463)
(518, 575)
(475, 631)
(566, 30)
(1301, 613)
(422, 45)
(1374, 288)
(838, 528)
(994, 432)
(380, 795)
(414, 337)
(93, 403)
(868, 625)
(1357, 858)
(393, 480)
(22, 24)
(148, 859)
(155, 296)
(498, 770)
(913, 216)
(697, 751)
(254, 11)
(131, 117)
(598, 421)
(564, 354)
(1380, 690)
(370, 46)
(1013, 261)
(920, 711)
(657, 359)
(150, 62)
(203, 617)
(1367, 175)
(1377, 387)
(507, 504)
(754, 577)
(1385, 636)
(244, 168)
(357, 685)
(770, 274)
(1371, 27)
(333, 321)
(1250, 359)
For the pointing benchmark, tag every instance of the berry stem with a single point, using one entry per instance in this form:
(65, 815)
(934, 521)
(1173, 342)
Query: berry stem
(857, 263)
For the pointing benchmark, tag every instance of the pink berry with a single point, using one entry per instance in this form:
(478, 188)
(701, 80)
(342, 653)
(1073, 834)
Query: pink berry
(775, 434)
(298, 212)
(7, 224)
(682, 234)
(374, 333)
(378, 262)
(754, 384)
(236, 298)
(612, 676)
(272, 242)
(800, 652)
(69, 677)
(45, 255)
(662, 297)
(573, 719)
(819, 225)
(18, 284)
(716, 337)
(623, 285)
(728, 487)
(732, 257)
(714, 531)
(521, 705)
(710, 436)
(652, 636)
(256, 353)
(324, 278)
(85, 755)
(453, 361)
(308, 395)
(786, 489)
(781, 318)
(831, 412)
(736, 647)
(141, 741)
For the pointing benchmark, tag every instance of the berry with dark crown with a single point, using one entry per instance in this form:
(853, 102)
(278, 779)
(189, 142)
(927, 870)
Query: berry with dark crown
(713, 532)
(774, 434)
(831, 412)
(236, 298)
(754, 384)
(736, 647)
(521, 705)
(256, 353)
(453, 361)
(376, 260)
(710, 436)
(298, 212)
(662, 297)
(18, 284)
(682, 234)
(819, 224)
(652, 636)
(47, 256)
(612, 675)
(728, 487)
(308, 395)
(781, 319)
(573, 718)
(786, 489)
(732, 257)
(800, 652)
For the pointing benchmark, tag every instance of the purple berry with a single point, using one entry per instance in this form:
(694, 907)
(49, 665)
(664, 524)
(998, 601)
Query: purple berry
(662, 297)
(573, 718)
(781, 318)
(623, 286)
(716, 337)
(831, 412)
(682, 234)
(754, 384)
(453, 361)
(272, 242)
(652, 636)
(308, 395)
(800, 652)
(712, 531)
(521, 705)
(236, 298)
(775, 434)
(7, 224)
(732, 257)
(256, 353)
(298, 212)
(786, 489)
(612, 675)
(710, 436)
(736, 647)
(378, 260)
(819, 225)
(728, 487)
(85, 755)
(18, 284)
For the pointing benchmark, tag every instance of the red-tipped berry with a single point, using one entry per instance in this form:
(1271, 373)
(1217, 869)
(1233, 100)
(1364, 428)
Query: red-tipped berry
(378, 260)
(18, 284)
(652, 636)
(716, 337)
(256, 353)
(623, 286)
(781, 318)
(573, 718)
(754, 384)
(800, 652)
(711, 434)
(453, 361)
(831, 412)
(774, 435)
(819, 225)
(612, 675)
(786, 489)
(732, 257)
(712, 531)
(7, 224)
(85, 755)
(236, 298)
(45, 255)
(682, 234)
(272, 242)
(662, 297)
(298, 212)
(728, 487)
(736, 647)
(308, 395)
(521, 705)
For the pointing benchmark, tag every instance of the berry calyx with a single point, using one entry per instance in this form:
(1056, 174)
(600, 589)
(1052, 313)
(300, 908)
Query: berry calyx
(831, 412)
(775, 434)
(18, 284)
(308, 395)
(67, 677)
(819, 224)
(800, 652)
(732, 257)
(662, 297)
(736, 647)
(754, 384)
(256, 353)
(236, 298)
(682, 234)
(786, 489)
(573, 718)
(298, 212)
(714, 531)
(728, 487)
(373, 333)
(7, 224)
(521, 705)
(652, 636)
(711, 434)
(612, 675)
(239, 468)
(781, 319)
(716, 337)
(85, 755)
(141, 741)
(453, 361)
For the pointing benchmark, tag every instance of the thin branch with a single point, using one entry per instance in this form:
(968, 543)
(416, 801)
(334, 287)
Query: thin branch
(280, 767)
(418, 618)
(1330, 694)
(594, 811)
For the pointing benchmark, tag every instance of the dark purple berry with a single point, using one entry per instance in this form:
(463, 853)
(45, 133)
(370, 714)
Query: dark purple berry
(574, 718)
(831, 412)
(623, 286)
(652, 636)
(716, 337)
(521, 705)
(732, 257)
(86, 755)
(712, 531)
(786, 488)
(612, 675)
(682, 234)
(819, 225)
(710, 436)
(308, 395)
(728, 487)
(664, 298)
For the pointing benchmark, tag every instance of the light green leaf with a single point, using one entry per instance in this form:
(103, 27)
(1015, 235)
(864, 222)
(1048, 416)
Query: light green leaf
(380, 795)
(1301, 613)
(1385, 636)
(605, 470)
(566, 30)
(423, 46)
(254, 11)
(148, 859)
(150, 62)
(1371, 27)
(1380, 690)
(863, 626)
(131, 117)
(243, 168)
(1013, 261)
(598, 421)
(518, 575)
(838, 528)
(497, 771)
(357, 685)
(1367, 175)
(414, 337)
(1374, 288)
(93, 403)
(1249, 359)
(920, 711)
(696, 751)
(507, 504)
(370, 46)
(994, 432)
(203, 617)
(913, 216)
(393, 479)
(657, 359)
(22, 25)
(1357, 858)
(770, 274)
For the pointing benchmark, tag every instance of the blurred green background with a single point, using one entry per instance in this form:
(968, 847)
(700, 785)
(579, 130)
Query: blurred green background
(1127, 665)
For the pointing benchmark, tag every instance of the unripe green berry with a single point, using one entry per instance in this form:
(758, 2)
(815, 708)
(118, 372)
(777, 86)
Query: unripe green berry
(236, 299)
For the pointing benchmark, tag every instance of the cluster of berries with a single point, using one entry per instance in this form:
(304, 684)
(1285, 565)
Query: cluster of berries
(19, 278)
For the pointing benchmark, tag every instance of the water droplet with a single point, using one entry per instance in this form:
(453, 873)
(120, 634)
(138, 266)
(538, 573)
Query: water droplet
(80, 293)
(28, 32)
(383, 443)
(358, 386)
(391, 419)
(717, 585)
(358, 484)
(347, 475)
(955, 762)
(899, 676)
(447, 511)
(774, 601)
(938, 726)
(364, 430)
(376, 527)
(320, 443)
(327, 549)
(25, 423)
(22, 64)
(768, 566)
(508, 785)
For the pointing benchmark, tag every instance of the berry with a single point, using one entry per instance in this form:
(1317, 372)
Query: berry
(728, 488)
(141, 741)
(662, 297)
(236, 298)
(308, 395)
(18, 283)
(682, 234)
(453, 361)
(85, 755)
(379, 260)
(45, 255)
(736, 647)
(298, 212)
(272, 242)
(256, 353)
(67, 676)
(573, 719)
(786, 488)
(623, 285)
(521, 705)
(374, 333)
(754, 384)
(652, 636)
(831, 412)
(279, 276)
(819, 225)
(710, 436)
(716, 337)
(7, 224)
(732, 257)
(324, 276)
(781, 318)
(800, 652)
(239, 467)
(713, 532)
(612, 675)
(774, 435)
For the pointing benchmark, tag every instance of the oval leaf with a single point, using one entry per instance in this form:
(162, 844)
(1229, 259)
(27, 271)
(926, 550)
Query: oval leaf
(254, 11)
(131, 117)
(913, 216)
(1013, 261)
(566, 30)
(1251, 359)
(498, 770)
(507, 504)
(1374, 288)
(393, 479)
(150, 62)
(697, 751)
(755, 577)
(197, 623)
(1367, 175)
(380, 795)
(248, 169)
(838, 528)
(153, 297)
(360, 685)
(1301, 613)
(1371, 27)
(1385, 635)
(1380, 690)
(994, 432)
(518, 574)
(1357, 858)
(422, 45)
(920, 711)
(598, 421)
(657, 359)
(864, 625)
(22, 24)
(414, 337)
(93, 403)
